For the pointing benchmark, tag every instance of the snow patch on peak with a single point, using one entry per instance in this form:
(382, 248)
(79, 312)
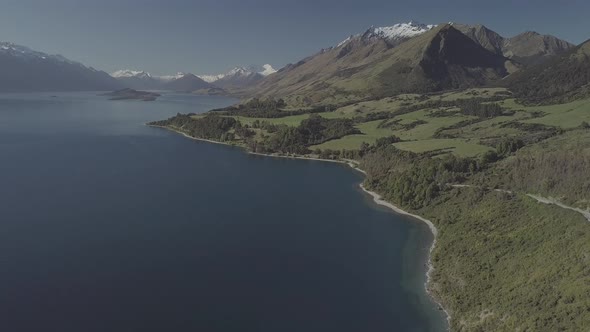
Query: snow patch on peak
(267, 70)
(27, 53)
(211, 78)
(345, 41)
(240, 71)
(131, 73)
(394, 32)
(400, 30)
(168, 78)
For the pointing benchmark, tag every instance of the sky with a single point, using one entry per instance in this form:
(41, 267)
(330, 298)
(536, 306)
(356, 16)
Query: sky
(213, 36)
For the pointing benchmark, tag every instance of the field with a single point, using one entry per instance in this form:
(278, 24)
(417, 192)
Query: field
(566, 116)
(459, 147)
(464, 140)
(443, 130)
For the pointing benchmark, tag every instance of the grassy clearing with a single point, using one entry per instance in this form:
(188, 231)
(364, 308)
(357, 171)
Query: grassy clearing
(471, 93)
(460, 147)
(350, 142)
(427, 130)
(566, 116)
(491, 128)
(293, 121)
(371, 131)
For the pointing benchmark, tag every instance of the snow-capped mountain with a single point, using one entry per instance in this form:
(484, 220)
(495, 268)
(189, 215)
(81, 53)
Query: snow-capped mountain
(138, 79)
(142, 80)
(211, 78)
(236, 78)
(241, 72)
(27, 53)
(141, 74)
(131, 73)
(168, 78)
(24, 69)
(394, 33)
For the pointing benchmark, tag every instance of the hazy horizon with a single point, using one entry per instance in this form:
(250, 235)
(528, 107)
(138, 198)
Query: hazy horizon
(210, 37)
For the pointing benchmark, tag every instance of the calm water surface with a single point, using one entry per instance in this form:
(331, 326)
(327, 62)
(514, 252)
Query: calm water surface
(109, 225)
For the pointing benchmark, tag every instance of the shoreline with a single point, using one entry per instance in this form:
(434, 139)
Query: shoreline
(380, 201)
(376, 198)
(349, 163)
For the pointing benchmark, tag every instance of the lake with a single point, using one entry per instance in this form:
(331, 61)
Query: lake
(109, 225)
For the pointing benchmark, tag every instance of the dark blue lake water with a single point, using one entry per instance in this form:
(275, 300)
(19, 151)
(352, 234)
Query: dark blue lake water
(109, 225)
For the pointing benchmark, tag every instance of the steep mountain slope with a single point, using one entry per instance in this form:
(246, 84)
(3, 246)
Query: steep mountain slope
(533, 48)
(22, 69)
(564, 78)
(374, 65)
(487, 38)
(187, 83)
(527, 48)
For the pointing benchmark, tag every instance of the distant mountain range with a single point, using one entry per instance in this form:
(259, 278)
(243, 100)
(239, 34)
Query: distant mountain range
(22, 70)
(237, 78)
(381, 61)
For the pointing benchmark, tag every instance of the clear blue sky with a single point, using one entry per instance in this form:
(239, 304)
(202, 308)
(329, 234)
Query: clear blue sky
(210, 36)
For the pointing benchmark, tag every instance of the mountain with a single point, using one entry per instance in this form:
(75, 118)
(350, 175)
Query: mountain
(186, 83)
(182, 82)
(532, 48)
(527, 48)
(487, 38)
(392, 35)
(26, 70)
(408, 57)
(240, 77)
(138, 79)
(564, 78)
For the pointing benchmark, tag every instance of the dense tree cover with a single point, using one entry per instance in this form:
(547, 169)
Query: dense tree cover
(211, 126)
(409, 179)
(270, 108)
(563, 79)
(504, 262)
(282, 138)
(557, 171)
(267, 126)
(313, 130)
(508, 146)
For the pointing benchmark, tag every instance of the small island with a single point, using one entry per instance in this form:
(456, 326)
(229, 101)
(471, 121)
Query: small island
(125, 94)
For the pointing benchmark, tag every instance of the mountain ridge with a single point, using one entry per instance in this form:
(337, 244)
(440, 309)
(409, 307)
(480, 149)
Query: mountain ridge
(375, 67)
(25, 70)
